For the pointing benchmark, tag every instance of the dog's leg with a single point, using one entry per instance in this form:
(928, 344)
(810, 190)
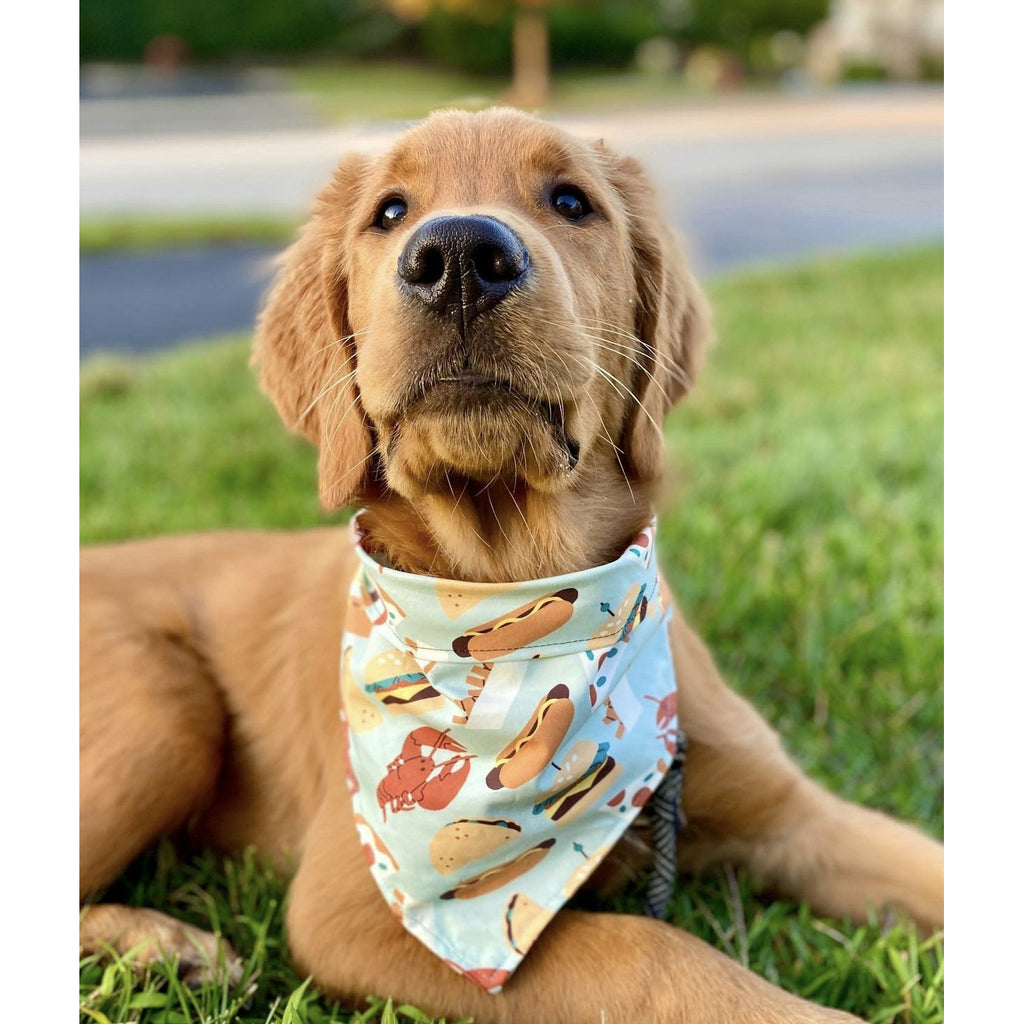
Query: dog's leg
(585, 967)
(746, 802)
(152, 729)
(147, 935)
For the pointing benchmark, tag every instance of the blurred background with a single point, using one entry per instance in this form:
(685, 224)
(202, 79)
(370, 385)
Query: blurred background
(775, 129)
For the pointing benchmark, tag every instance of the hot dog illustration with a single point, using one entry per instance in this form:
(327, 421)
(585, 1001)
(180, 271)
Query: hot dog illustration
(525, 757)
(461, 842)
(518, 628)
(496, 877)
(397, 681)
(583, 778)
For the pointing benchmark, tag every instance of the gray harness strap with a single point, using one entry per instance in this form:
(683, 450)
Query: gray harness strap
(667, 819)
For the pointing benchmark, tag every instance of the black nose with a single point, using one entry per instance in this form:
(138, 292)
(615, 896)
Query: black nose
(462, 266)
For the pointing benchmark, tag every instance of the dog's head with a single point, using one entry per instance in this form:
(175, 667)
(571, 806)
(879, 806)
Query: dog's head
(490, 300)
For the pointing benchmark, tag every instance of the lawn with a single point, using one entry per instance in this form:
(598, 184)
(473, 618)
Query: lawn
(369, 91)
(115, 234)
(801, 530)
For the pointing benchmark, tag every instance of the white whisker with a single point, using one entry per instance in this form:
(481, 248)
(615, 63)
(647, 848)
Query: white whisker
(332, 385)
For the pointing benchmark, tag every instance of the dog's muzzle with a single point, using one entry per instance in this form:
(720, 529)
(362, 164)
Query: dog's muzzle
(460, 267)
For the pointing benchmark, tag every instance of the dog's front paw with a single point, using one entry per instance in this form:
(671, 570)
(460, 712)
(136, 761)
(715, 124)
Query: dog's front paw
(202, 957)
(145, 936)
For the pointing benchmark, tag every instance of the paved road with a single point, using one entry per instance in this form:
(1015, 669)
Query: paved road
(746, 183)
(118, 101)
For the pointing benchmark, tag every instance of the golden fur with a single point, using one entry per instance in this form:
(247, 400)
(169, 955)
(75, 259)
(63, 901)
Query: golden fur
(210, 663)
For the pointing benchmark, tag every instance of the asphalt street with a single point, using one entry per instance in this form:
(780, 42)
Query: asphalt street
(746, 183)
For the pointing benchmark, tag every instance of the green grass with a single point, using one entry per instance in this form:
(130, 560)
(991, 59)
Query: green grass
(106, 234)
(802, 531)
(371, 92)
(367, 92)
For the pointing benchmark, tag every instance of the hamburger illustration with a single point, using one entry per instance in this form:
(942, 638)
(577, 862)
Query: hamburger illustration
(632, 610)
(397, 681)
(362, 712)
(581, 781)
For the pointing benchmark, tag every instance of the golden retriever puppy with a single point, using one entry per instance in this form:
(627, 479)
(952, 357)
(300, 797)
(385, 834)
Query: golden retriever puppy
(482, 330)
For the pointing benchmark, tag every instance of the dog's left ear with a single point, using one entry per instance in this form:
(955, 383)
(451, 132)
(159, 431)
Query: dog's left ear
(304, 346)
(672, 322)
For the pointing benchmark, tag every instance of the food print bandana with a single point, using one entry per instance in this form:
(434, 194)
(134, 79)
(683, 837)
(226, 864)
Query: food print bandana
(501, 738)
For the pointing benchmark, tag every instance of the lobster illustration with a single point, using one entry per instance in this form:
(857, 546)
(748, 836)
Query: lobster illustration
(665, 716)
(411, 780)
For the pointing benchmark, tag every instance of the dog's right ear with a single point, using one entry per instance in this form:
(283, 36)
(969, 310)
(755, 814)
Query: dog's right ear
(304, 347)
(672, 322)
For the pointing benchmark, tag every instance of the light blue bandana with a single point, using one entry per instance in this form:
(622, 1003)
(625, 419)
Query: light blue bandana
(501, 738)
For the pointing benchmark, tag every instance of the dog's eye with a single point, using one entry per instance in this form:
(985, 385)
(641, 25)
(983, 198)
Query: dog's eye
(570, 202)
(391, 212)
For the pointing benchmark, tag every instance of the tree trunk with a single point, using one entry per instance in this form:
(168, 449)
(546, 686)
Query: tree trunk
(531, 70)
